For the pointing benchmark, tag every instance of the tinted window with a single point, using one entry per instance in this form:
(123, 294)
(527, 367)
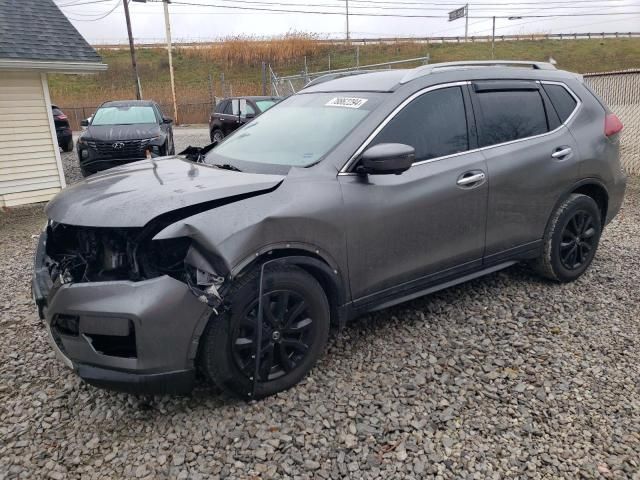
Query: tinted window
(435, 124)
(511, 115)
(221, 106)
(562, 101)
(228, 108)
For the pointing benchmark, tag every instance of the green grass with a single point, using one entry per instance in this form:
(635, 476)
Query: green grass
(241, 64)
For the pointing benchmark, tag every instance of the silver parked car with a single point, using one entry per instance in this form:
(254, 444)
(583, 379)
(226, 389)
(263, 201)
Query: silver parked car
(357, 193)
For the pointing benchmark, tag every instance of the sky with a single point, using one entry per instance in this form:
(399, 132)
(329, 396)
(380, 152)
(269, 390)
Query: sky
(102, 21)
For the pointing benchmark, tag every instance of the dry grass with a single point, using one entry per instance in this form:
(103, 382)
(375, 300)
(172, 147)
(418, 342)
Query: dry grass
(249, 51)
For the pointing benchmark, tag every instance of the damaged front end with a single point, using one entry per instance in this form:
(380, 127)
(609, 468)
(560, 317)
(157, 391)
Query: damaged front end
(122, 310)
(91, 254)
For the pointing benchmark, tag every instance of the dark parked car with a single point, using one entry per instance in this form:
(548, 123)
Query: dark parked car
(63, 129)
(232, 113)
(122, 132)
(355, 194)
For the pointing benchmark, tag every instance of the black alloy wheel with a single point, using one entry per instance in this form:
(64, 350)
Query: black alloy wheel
(571, 239)
(287, 335)
(295, 330)
(578, 240)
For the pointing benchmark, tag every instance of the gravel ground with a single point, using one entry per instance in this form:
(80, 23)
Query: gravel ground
(505, 376)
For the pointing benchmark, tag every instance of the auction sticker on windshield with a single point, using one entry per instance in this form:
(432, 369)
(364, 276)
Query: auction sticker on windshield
(347, 102)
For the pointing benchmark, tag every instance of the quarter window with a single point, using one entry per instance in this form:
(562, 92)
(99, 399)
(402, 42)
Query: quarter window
(562, 100)
(509, 115)
(435, 124)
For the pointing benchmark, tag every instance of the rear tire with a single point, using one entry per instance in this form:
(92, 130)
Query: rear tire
(571, 239)
(69, 146)
(294, 333)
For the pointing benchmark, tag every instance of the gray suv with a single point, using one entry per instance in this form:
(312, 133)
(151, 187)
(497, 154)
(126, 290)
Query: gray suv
(360, 192)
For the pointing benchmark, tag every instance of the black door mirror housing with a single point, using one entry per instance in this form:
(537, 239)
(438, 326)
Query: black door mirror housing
(84, 123)
(387, 158)
(248, 115)
(167, 120)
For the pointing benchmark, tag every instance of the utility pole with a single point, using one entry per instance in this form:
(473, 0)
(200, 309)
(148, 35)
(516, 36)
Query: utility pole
(348, 34)
(493, 40)
(136, 78)
(466, 20)
(167, 25)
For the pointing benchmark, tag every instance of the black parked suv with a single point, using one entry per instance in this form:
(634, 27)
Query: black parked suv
(355, 194)
(63, 129)
(121, 132)
(232, 113)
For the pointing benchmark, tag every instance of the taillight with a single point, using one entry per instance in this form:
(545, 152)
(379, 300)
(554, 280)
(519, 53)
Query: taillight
(612, 125)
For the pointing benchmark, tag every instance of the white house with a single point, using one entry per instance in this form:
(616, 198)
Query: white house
(35, 39)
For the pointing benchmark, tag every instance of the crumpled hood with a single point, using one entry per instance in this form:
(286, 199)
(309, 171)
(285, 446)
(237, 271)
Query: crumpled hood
(108, 133)
(135, 193)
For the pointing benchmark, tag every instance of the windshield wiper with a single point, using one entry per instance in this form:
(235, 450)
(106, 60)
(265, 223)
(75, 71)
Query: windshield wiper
(226, 166)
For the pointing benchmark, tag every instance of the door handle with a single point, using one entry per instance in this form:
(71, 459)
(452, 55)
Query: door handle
(561, 153)
(470, 178)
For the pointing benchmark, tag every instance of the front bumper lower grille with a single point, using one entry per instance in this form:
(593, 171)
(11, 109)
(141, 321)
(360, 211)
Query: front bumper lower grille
(119, 149)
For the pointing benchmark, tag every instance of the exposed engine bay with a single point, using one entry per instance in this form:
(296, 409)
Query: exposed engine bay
(91, 254)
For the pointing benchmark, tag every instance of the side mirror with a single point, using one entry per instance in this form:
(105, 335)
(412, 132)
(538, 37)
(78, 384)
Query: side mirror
(387, 158)
(249, 115)
(167, 120)
(84, 123)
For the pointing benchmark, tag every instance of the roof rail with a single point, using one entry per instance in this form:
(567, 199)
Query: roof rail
(333, 76)
(427, 69)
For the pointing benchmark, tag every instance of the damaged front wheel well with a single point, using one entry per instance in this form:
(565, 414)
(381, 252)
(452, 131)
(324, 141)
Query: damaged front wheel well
(329, 278)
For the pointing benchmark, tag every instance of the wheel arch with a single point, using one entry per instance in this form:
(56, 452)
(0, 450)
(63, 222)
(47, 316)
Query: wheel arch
(311, 259)
(598, 192)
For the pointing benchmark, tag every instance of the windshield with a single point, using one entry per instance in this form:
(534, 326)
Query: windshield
(265, 105)
(129, 115)
(298, 131)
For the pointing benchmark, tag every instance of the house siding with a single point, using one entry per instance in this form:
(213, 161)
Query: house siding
(30, 167)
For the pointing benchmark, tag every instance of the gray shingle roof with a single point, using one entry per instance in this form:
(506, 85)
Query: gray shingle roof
(38, 30)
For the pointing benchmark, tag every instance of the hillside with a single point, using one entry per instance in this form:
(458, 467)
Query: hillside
(239, 59)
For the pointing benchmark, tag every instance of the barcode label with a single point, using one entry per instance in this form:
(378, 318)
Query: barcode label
(346, 102)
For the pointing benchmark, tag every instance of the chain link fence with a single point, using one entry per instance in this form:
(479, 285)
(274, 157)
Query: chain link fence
(621, 92)
(288, 85)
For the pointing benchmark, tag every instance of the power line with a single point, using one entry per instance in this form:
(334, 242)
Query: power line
(260, 3)
(89, 2)
(361, 14)
(102, 16)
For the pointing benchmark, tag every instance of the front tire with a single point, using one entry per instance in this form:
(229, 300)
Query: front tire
(571, 239)
(295, 330)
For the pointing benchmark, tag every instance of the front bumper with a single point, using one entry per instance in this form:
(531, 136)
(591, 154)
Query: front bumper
(136, 337)
(93, 163)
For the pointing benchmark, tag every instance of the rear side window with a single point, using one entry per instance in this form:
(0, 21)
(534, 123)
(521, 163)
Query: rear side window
(57, 111)
(435, 124)
(221, 106)
(509, 115)
(562, 100)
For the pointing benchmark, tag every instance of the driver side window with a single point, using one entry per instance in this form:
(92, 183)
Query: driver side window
(435, 124)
